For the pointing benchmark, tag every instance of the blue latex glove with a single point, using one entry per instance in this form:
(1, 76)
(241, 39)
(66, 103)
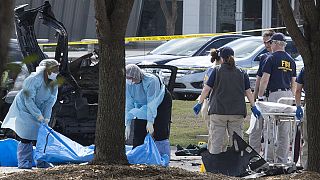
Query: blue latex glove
(255, 112)
(299, 112)
(197, 108)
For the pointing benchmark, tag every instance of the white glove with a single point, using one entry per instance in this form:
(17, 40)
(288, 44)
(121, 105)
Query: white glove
(40, 118)
(127, 132)
(46, 121)
(150, 127)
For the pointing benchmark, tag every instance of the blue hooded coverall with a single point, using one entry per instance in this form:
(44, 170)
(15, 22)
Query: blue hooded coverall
(35, 99)
(149, 101)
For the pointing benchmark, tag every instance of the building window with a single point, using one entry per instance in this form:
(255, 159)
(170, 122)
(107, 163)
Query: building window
(152, 20)
(226, 15)
(252, 15)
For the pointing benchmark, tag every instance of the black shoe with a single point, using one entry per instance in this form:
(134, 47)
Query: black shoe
(191, 146)
(179, 147)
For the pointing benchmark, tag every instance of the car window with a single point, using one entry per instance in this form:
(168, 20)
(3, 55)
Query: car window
(244, 47)
(181, 47)
(291, 49)
(216, 44)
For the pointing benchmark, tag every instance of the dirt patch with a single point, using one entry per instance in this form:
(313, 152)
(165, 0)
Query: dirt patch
(131, 172)
(111, 172)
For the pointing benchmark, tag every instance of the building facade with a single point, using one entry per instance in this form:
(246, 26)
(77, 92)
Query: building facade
(210, 16)
(147, 19)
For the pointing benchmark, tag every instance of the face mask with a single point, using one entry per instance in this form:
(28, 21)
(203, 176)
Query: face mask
(53, 76)
(129, 81)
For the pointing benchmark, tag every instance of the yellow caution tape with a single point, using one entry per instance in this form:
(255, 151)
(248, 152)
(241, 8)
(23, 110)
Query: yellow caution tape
(205, 68)
(161, 38)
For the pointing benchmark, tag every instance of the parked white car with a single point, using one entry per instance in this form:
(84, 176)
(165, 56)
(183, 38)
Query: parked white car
(189, 81)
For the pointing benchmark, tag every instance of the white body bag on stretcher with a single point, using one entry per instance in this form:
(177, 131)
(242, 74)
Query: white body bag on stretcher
(270, 112)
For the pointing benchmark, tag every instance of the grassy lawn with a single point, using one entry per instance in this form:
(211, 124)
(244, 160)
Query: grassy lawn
(186, 126)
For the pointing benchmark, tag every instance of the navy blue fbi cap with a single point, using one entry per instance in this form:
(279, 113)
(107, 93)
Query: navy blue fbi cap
(226, 52)
(277, 37)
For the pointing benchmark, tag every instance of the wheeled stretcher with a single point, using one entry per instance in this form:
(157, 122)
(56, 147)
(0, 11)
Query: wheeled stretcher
(274, 113)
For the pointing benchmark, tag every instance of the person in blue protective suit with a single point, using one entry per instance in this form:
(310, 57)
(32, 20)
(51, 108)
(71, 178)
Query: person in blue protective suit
(149, 104)
(31, 107)
(227, 108)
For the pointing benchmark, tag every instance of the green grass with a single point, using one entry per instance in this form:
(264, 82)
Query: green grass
(186, 126)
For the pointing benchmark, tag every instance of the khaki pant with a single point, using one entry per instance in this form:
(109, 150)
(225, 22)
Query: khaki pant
(206, 118)
(281, 145)
(304, 155)
(217, 132)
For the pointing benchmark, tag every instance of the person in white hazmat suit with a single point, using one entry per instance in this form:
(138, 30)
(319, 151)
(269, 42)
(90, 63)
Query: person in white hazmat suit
(149, 104)
(31, 107)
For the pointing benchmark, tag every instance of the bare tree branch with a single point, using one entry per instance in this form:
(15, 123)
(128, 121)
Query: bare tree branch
(292, 27)
(309, 12)
(165, 10)
(174, 10)
(171, 17)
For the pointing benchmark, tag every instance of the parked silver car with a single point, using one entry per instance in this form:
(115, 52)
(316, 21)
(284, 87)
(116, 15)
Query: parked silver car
(183, 48)
(189, 81)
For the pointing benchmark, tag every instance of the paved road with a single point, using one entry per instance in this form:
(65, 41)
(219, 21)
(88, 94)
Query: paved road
(7, 170)
(190, 163)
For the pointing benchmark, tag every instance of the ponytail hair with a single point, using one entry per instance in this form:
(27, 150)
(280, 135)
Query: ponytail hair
(214, 55)
(230, 61)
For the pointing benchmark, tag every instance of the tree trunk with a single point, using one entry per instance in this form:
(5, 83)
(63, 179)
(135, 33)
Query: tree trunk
(308, 45)
(170, 27)
(312, 74)
(171, 17)
(6, 22)
(112, 18)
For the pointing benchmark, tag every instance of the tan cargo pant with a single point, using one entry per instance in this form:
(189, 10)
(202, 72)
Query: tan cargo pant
(217, 131)
(206, 118)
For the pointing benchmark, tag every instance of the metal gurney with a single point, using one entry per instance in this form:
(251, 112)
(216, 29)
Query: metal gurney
(274, 113)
